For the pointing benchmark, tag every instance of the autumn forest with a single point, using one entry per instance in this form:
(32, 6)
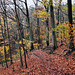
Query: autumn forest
(37, 37)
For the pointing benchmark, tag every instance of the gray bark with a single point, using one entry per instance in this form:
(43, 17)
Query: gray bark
(53, 25)
(29, 27)
(38, 27)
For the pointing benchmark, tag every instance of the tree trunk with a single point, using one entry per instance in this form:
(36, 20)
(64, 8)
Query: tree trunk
(70, 24)
(29, 27)
(47, 32)
(7, 32)
(19, 49)
(4, 36)
(20, 35)
(21, 26)
(38, 27)
(53, 25)
(47, 28)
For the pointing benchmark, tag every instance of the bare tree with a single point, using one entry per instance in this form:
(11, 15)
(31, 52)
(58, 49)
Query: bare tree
(19, 31)
(29, 27)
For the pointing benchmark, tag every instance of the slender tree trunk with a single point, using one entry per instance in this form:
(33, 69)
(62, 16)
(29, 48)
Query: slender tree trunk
(47, 32)
(4, 36)
(7, 33)
(9, 42)
(20, 35)
(70, 24)
(53, 25)
(38, 27)
(58, 10)
(19, 50)
(29, 27)
(58, 15)
(59, 19)
(47, 28)
(38, 32)
(21, 26)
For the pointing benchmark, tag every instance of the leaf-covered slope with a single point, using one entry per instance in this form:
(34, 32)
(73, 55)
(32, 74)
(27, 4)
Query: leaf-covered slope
(41, 63)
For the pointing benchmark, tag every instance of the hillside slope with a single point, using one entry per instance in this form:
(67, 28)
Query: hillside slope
(42, 63)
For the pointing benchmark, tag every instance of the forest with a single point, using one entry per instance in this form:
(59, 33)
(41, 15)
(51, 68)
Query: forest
(37, 37)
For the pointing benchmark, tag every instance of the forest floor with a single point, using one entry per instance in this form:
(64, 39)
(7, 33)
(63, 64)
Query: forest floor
(40, 62)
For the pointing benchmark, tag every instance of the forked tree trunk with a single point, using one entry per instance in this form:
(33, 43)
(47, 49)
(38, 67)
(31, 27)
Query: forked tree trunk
(20, 35)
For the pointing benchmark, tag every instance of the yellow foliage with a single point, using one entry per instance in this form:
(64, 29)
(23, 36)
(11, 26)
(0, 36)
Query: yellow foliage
(27, 43)
(42, 14)
(63, 31)
(2, 52)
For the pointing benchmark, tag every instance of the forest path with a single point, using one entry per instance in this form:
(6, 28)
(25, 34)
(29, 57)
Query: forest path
(42, 63)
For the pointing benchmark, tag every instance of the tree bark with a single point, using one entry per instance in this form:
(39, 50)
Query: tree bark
(38, 27)
(70, 24)
(29, 27)
(19, 49)
(4, 36)
(53, 25)
(8, 37)
(20, 35)
(21, 26)
(47, 28)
